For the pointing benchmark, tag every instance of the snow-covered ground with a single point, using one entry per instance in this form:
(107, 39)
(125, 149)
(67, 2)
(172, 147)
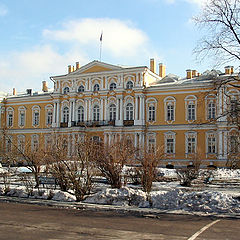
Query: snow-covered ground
(167, 195)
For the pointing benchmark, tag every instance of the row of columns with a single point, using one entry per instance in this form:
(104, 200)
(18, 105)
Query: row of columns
(139, 109)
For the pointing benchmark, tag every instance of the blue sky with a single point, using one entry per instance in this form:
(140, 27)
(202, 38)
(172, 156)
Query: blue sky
(40, 38)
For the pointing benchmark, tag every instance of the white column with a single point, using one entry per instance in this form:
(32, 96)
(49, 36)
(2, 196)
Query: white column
(135, 140)
(70, 114)
(141, 107)
(54, 115)
(109, 138)
(58, 114)
(74, 110)
(117, 110)
(136, 108)
(85, 110)
(89, 110)
(105, 110)
(225, 144)
(101, 109)
(220, 144)
(121, 109)
(105, 138)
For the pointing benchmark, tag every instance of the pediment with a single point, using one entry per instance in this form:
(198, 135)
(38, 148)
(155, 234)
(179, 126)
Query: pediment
(96, 66)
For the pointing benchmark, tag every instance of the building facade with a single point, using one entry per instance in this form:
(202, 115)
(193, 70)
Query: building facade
(184, 116)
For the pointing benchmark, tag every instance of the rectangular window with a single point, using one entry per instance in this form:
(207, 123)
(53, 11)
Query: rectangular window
(170, 146)
(151, 144)
(191, 112)
(10, 119)
(151, 113)
(36, 118)
(211, 145)
(49, 117)
(170, 113)
(22, 119)
(191, 145)
(234, 143)
(211, 111)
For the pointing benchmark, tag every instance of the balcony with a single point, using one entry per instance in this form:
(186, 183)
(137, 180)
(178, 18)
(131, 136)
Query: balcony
(95, 123)
(128, 122)
(63, 124)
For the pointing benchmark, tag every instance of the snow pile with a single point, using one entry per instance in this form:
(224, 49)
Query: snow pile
(223, 173)
(121, 197)
(169, 173)
(196, 201)
(63, 196)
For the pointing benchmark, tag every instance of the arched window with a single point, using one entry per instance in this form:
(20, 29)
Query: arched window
(112, 112)
(10, 117)
(211, 110)
(129, 111)
(129, 85)
(66, 90)
(21, 116)
(80, 114)
(65, 114)
(113, 86)
(96, 88)
(151, 113)
(96, 113)
(36, 115)
(81, 88)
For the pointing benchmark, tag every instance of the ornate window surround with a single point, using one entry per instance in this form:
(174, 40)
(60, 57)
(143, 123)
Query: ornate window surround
(170, 101)
(190, 100)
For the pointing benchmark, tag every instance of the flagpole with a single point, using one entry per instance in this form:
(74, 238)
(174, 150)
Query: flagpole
(101, 46)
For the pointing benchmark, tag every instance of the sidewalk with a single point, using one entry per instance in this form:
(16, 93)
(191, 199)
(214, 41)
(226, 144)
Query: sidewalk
(144, 212)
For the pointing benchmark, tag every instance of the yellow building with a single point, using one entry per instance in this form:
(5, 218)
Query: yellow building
(185, 115)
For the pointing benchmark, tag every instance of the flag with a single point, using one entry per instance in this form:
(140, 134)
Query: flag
(101, 37)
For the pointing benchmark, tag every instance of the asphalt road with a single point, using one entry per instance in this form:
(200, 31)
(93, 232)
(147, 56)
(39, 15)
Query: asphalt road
(33, 222)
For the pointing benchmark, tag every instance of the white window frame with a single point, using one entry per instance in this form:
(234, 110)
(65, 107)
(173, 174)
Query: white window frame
(65, 114)
(112, 112)
(209, 143)
(151, 142)
(21, 112)
(81, 89)
(10, 117)
(8, 144)
(96, 87)
(21, 143)
(172, 136)
(191, 101)
(129, 111)
(129, 84)
(190, 135)
(211, 112)
(35, 142)
(96, 113)
(170, 102)
(35, 116)
(112, 86)
(80, 113)
(66, 90)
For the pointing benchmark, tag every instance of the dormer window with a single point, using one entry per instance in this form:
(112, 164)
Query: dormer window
(81, 89)
(66, 90)
(129, 85)
(96, 88)
(113, 86)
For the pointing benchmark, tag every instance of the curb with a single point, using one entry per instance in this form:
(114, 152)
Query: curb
(142, 212)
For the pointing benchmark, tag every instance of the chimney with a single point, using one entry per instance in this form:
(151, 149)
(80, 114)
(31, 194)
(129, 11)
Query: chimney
(194, 73)
(232, 70)
(77, 65)
(69, 68)
(44, 86)
(14, 92)
(162, 70)
(29, 91)
(189, 73)
(153, 65)
(228, 70)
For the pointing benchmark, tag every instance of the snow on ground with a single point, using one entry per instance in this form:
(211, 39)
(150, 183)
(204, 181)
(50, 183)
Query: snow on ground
(165, 195)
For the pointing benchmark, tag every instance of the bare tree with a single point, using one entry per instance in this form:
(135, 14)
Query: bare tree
(221, 24)
(112, 158)
(148, 161)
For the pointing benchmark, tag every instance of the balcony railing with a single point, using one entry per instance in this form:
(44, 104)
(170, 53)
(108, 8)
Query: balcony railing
(128, 122)
(94, 123)
(63, 124)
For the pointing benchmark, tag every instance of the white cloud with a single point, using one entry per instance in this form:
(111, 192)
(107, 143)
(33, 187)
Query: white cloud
(27, 69)
(77, 40)
(3, 10)
(119, 38)
(198, 2)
